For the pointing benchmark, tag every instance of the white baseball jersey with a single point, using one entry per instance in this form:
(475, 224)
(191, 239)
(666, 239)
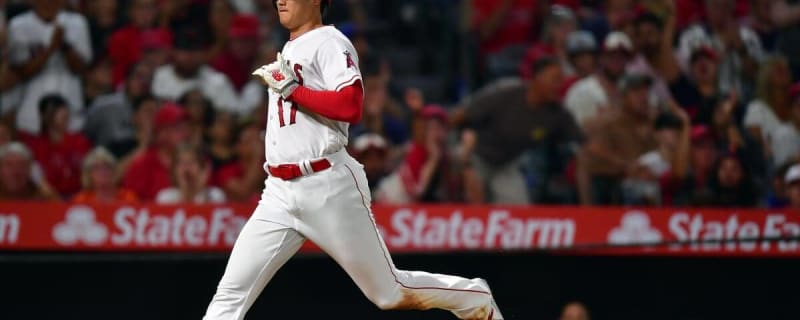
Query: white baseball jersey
(324, 60)
(329, 207)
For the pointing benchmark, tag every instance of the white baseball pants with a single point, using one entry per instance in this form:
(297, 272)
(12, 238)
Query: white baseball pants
(331, 208)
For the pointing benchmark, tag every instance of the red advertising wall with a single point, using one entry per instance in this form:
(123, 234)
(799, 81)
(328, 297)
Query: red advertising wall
(569, 230)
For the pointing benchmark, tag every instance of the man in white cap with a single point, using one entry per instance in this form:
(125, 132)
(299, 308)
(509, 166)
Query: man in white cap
(792, 180)
(590, 96)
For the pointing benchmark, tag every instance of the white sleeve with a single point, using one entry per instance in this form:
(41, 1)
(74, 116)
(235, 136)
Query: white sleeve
(168, 196)
(18, 52)
(77, 35)
(338, 64)
(220, 91)
(752, 43)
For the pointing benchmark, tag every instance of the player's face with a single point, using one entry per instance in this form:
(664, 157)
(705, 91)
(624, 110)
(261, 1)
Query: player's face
(295, 13)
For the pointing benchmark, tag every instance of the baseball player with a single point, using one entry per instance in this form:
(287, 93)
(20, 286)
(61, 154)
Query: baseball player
(316, 191)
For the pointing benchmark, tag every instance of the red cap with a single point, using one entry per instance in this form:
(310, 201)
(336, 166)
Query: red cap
(434, 111)
(701, 133)
(705, 51)
(170, 114)
(156, 39)
(794, 91)
(244, 26)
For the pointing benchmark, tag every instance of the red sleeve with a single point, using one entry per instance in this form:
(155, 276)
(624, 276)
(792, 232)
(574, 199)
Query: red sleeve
(343, 105)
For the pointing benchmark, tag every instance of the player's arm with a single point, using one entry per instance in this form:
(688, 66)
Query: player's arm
(345, 104)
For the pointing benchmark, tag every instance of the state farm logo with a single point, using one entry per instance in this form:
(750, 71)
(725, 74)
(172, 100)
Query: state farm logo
(635, 228)
(498, 229)
(80, 226)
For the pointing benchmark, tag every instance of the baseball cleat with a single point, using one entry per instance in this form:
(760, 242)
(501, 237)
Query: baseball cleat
(494, 313)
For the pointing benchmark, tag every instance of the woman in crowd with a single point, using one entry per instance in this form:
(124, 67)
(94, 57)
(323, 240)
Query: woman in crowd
(19, 178)
(100, 179)
(423, 175)
(191, 172)
(769, 114)
(58, 151)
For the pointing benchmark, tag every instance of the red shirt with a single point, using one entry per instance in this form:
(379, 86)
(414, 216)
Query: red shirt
(61, 161)
(515, 28)
(227, 172)
(124, 49)
(147, 175)
(238, 71)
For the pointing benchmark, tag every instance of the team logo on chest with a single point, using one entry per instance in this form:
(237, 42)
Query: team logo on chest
(349, 58)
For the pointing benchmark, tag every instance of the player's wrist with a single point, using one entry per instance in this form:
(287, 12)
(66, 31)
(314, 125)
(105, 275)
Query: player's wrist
(289, 89)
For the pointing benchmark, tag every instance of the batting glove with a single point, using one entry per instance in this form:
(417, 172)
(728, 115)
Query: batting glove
(278, 76)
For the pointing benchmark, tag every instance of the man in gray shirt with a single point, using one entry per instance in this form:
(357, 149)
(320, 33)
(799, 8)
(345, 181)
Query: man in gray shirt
(512, 117)
(109, 121)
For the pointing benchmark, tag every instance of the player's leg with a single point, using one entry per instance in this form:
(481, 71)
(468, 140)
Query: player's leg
(261, 249)
(345, 229)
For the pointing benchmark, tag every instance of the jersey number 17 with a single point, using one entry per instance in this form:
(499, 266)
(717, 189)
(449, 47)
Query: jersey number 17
(293, 108)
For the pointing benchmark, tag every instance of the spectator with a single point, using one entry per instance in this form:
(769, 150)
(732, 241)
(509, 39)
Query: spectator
(511, 117)
(127, 43)
(595, 94)
(221, 138)
(371, 150)
(733, 186)
(786, 15)
(188, 71)
(791, 135)
(7, 133)
(238, 60)
(761, 21)
(199, 112)
(58, 151)
(109, 121)
(777, 196)
(149, 170)
(220, 15)
(243, 178)
(574, 311)
(582, 54)
(16, 180)
(697, 90)
(603, 17)
(559, 23)
(190, 173)
(739, 46)
(422, 177)
(503, 25)
(695, 189)
(658, 169)
(768, 117)
(100, 180)
(144, 113)
(652, 38)
(792, 181)
(103, 20)
(49, 48)
(97, 81)
(377, 116)
(619, 139)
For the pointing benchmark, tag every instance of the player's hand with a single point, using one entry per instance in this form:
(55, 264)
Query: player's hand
(278, 76)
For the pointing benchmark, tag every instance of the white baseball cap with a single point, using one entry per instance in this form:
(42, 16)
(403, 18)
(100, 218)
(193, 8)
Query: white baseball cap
(581, 41)
(617, 40)
(369, 140)
(793, 174)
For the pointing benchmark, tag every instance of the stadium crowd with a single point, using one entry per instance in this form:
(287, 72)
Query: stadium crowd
(592, 102)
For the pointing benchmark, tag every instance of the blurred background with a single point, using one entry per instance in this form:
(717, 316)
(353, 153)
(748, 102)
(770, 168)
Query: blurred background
(552, 109)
